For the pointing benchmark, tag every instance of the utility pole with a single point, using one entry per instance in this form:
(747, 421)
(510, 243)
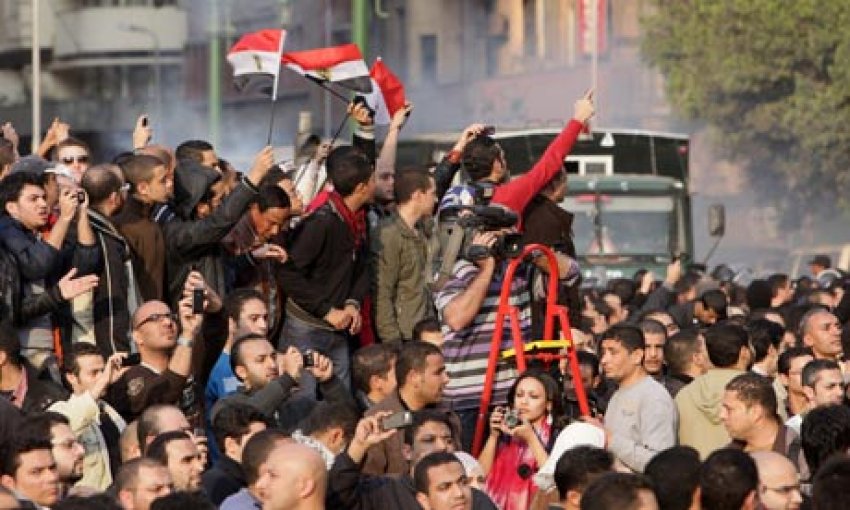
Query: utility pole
(214, 78)
(36, 77)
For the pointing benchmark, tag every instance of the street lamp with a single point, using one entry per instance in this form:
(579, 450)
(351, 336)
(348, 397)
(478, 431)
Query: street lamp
(157, 68)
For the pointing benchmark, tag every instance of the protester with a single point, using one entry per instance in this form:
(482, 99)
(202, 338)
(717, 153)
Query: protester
(519, 440)
(27, 468)
(295, 479)
(177, 452)
(614, 491)
(728, 479)
(675, 477)
(779, 483)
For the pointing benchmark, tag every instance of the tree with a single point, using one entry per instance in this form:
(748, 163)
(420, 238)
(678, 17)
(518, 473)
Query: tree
(773, 78)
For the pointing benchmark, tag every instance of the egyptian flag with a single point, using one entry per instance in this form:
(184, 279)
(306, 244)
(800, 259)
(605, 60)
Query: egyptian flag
(387, 95)
(256, 61)
(342, 65)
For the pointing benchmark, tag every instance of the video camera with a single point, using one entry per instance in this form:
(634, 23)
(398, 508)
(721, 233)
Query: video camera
(481, 218)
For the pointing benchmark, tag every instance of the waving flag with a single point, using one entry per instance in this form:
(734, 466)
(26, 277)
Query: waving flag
(256, 61)
(387, 95)
(342, 65)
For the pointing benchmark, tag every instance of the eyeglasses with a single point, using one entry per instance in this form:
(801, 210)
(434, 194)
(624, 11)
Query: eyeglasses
(71, 159)
(158, 317)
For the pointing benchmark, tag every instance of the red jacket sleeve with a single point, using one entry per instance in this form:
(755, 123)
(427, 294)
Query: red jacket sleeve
(519, 192)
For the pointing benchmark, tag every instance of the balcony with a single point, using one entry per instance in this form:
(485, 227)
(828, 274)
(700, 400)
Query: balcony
(108, 36)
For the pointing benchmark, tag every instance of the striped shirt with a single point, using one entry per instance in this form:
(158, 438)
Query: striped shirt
(466, 351)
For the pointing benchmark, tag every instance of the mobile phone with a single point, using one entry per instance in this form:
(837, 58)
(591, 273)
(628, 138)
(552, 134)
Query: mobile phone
(145, 121)
(489, 130)
(81, 196)
(397, 420)
(198, 301)
(131, 360)
(309, 359)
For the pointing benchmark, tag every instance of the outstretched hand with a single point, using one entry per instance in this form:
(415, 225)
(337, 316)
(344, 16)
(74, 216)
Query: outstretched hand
(584, 109)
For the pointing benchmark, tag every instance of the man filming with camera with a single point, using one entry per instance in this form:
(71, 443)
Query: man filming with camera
(468, 303)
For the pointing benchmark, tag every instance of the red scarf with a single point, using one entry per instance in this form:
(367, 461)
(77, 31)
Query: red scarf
(356, 221)
(505, 486)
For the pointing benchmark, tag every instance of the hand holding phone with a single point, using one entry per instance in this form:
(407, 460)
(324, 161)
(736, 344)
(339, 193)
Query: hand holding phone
(397, 420)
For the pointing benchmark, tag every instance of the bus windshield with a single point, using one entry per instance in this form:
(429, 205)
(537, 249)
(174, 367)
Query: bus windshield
(607, 224)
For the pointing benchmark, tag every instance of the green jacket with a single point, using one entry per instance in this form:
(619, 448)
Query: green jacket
(401, 281)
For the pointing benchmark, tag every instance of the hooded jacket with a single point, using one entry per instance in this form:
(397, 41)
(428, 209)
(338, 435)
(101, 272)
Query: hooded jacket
(699, 411)
(197, 242)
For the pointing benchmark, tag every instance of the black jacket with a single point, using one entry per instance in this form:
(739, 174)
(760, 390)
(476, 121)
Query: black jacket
(26, 259)
(348, 488)
(111, 311)
(192, 242)
(223, 479)
(324, 269)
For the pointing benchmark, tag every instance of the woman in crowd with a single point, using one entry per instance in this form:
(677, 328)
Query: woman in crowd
(520, 439)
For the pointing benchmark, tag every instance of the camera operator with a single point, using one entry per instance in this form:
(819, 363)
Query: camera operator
(467, 304)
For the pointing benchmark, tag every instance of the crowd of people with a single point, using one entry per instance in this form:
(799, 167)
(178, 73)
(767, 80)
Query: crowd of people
(180, 334)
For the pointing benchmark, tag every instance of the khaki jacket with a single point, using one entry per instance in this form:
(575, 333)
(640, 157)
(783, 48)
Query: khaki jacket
(401, 279)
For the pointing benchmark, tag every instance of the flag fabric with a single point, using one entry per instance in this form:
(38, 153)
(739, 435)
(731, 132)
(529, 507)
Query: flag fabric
(256, 61)
(387, 95)
(343, 65)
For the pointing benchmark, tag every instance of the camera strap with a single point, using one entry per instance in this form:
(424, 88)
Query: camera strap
(450, 253)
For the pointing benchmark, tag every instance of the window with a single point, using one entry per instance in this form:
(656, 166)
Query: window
(428, 63)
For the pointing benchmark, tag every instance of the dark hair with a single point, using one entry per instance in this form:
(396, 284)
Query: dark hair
(256, 451)
(623, 288)
(825, 432)
(726, 478)
(652, 327)
(680, 348)
(588, 359)
(158, 449)
(413, 356)
(409, 180)
(7, 152)
(550, 387)
(614, 491)
(724, 343)
(235, 300)
(814, 368)
(236, 351)
(426, 325)
(93, 502)
(764, 334)
(422, 417)
(272, 196)
(777, 282)
(181, 500)
(717, 301)
(368, 361)
(631, 337)
(12, 450)
(10, 344)
(192, 150)
(326, 416)
(784, 364)
(234, 421)
(579, 466)
(139, 168)
(478, 157)
(675, 475)
(347, 168)
(758, 295)
(128, 472)
(101, 181)
(754, 389)
(78, 350)
(434, 459)
(829, 491)
(39, 424)
(13, 185)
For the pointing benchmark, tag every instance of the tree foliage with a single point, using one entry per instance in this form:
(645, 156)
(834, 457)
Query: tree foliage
(773, 78)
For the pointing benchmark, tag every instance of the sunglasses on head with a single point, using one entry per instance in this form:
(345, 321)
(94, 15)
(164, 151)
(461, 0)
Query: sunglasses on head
(71, 159)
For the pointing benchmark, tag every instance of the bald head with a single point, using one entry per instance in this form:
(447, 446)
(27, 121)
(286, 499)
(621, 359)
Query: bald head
(144, 312)
(779, 484)
(295, 477)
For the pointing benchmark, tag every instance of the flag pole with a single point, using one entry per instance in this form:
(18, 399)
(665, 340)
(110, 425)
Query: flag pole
(341, 126)
(274, 86)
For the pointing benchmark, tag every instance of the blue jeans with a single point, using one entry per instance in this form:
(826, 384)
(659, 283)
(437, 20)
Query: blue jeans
(333, 344)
